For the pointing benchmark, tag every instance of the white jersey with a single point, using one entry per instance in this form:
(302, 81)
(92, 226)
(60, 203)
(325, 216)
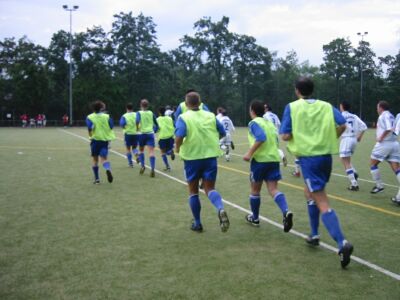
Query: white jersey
(168, 113)
(270, 116)
(227, 124)
(219, 116)
(397, 125)
(354, 125)
(385, 122)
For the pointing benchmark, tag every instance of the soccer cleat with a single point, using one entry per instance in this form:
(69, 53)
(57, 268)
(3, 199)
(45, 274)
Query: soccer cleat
(312, 240)
(223, 220)
(152, 173)
(110, 178)
(232, 146)
(287, 221)
(296, 173)
(395, 200)
(130, 165)
(376, 190)
(172, 155)
(167, 169)
(250, 220)
(196, 228)
(345, 253)
(353, 188)
(96, 181)
(142, 170)
(137, 159)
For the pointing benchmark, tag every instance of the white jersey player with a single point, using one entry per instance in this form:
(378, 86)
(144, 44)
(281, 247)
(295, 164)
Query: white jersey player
(386, 148)
(270, 116)
(355, 129)
(226, 142)
(397, 125)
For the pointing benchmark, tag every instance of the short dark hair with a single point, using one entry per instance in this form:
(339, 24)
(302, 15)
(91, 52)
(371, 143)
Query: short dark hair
(193, 99)
(257, 107)
(267, 107)
(129, 106)
(161, 110)
(98, 106)
(305, 86)
(144, 103)
(384, 105)
(189, 91)
(346, 105)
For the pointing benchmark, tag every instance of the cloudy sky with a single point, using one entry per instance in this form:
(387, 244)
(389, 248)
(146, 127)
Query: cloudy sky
(281, 26)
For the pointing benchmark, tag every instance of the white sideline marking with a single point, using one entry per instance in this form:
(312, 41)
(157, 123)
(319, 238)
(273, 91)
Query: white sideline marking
(336, 174)
(292, 231)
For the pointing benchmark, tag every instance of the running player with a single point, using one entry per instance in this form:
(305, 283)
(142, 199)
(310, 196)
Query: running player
(128, 124)
(264, 157)
(353, 134)
(182, 108)
(312, 128)
(165, 137)
(226, 142)
(197, 142)
(146, 123)
(386, 148)
(100, 127)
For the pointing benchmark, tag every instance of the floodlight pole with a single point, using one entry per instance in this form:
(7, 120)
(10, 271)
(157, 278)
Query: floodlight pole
(361, 69)
(74, 8)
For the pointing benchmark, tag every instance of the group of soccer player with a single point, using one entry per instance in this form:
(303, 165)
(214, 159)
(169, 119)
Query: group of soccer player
(311, 128)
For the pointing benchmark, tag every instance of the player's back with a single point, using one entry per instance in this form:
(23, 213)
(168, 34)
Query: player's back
(385, 122)
(273, 118)
(227, 124)
(353, 124)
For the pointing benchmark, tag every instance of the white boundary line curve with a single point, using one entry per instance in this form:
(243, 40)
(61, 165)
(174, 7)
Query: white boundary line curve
(294, 232)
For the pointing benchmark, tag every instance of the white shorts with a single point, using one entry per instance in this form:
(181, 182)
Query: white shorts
(347, 146)
(389, 151)
(226, 140)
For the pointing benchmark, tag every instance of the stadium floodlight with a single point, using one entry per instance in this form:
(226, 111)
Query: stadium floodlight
(74, 8)
(361, 68)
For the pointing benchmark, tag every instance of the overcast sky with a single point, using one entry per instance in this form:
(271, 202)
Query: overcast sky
(281, 26)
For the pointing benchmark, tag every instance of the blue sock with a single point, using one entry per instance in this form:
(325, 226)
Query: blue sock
(331, 223)
(280, 200)
(195, 206)
(107, 165)
(165, 160)
(96, 172)
(129, 156)
(152, 162)
(255, 201)
(135, 151)
(169, 152)
(313, 215)
(141, 159)
(216, 199)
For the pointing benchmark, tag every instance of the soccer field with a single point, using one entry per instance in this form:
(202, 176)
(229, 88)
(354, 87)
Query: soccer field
(61, 237)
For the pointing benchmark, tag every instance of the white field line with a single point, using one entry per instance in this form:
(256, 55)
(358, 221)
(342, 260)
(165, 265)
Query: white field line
(294, 232)
(336, 174)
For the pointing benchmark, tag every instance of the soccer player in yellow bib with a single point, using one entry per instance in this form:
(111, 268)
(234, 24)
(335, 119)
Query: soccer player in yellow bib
(312, 128)
(147, 124)
(165, 131)
(100, 127)
(197, 142)
(128, 124)
(264, 157)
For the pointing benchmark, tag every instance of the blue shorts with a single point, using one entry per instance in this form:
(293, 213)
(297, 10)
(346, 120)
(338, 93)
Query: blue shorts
(201, 168)
(166, 144)
(131, 140)
(316, 171)
(264, 171)
(146, 139)
(99, 148)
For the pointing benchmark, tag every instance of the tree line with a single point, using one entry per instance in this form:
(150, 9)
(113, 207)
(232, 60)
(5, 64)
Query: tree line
(126, 64)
